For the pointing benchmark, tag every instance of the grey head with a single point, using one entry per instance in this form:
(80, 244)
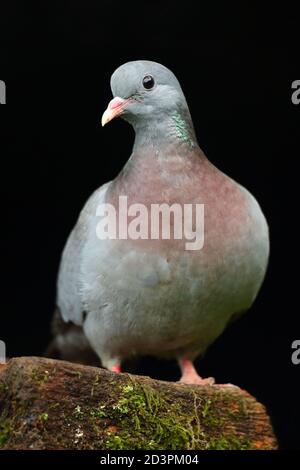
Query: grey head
(146, 91)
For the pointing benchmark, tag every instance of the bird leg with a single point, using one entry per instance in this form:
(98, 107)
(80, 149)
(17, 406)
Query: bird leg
(190, 375)
(112, 364)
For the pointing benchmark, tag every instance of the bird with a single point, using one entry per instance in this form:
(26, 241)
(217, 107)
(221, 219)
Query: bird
(132, 297)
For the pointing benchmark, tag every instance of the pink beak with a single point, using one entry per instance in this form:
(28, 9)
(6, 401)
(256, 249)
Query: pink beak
(114, 109)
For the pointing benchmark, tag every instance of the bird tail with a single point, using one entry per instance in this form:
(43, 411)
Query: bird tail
(69, 342)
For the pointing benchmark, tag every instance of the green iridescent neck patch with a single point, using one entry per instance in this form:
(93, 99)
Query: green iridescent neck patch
(182, 129)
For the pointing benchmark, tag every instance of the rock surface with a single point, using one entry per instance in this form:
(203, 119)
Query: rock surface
(51, 404)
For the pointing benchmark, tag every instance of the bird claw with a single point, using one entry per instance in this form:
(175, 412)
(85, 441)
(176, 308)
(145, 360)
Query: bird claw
(197, 381)
(229, 385)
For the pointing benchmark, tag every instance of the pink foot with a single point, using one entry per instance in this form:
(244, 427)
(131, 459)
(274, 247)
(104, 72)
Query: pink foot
(190, 375)
(229, 385)
(116, 368)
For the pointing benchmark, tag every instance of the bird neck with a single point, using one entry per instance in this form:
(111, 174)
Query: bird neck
(162, 147)
(174, 129)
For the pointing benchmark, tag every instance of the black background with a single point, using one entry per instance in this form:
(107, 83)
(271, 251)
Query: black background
(236, 64)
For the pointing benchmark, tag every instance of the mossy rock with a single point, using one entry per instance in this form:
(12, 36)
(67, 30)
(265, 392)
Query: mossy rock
(50, 404)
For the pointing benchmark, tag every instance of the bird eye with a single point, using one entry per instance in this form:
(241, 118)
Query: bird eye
(148, 82)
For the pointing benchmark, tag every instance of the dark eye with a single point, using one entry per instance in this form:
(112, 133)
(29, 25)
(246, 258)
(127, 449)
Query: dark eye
(148, 82)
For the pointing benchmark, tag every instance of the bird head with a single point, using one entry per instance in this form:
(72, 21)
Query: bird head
(144, 90)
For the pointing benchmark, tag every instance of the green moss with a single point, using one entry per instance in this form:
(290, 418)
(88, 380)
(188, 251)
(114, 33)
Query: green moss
(213, 422)
(136, 416)
(3, 387)
(98, 412)
(206, 408)
(40, 377)
(43, 417)
(149, 421)
(95, 384)
(78, 413)
(53, 406)
(5, 430)
(229, 443)
(210, 416)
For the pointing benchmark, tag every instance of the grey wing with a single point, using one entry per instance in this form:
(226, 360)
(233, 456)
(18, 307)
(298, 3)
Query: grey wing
(68, 284)
(68, 297)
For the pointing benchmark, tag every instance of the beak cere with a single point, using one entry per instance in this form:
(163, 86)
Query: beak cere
(114, 109)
